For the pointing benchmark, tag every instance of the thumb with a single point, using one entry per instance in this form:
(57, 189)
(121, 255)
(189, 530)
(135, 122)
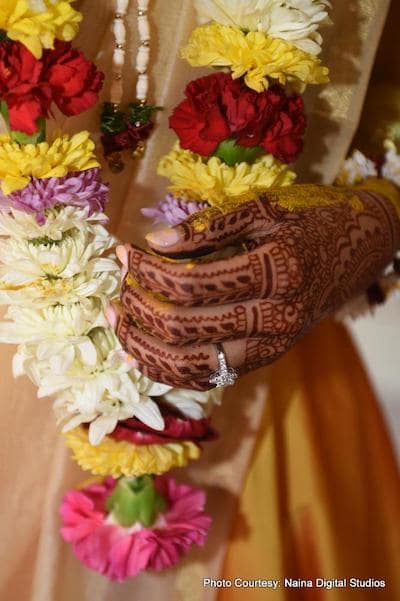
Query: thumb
(209, 230)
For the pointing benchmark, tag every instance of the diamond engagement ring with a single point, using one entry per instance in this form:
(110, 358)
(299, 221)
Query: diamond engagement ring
(224, 376)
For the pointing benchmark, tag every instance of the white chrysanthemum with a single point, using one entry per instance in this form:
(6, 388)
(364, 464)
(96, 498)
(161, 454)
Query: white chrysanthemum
(22, 262)
(95, 282)
(58, 221)
(391, 167)
(92, 382)
(356, 169)
(54, 323)
(55, 364)
(193, 403)
(296, 21)
(44, 271)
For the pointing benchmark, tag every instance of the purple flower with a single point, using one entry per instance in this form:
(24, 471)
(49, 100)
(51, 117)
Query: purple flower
(173, 210)
(80, 189)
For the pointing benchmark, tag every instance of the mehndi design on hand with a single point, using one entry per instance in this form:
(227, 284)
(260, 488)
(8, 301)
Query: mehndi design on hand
(290, 270)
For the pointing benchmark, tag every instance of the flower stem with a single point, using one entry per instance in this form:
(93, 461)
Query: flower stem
(136, 500)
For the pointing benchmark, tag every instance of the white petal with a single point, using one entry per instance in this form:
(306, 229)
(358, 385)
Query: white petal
(149, 413)
(101, 427)
(18, 368)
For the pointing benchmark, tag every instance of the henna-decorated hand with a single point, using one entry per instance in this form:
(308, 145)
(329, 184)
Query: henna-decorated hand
(294, 270)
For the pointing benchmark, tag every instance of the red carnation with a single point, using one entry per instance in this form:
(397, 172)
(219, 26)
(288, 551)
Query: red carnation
(29, 86)
(218, 108)
(74, 80)
(22, 87)
(200, 121)
(284, 139)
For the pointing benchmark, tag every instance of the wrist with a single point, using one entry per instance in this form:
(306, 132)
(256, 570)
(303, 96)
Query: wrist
(391, 194)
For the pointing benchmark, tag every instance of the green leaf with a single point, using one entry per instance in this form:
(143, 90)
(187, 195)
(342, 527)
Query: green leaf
(4, 112)
(40, 136)
(112, 121)
(141, 113)
(232, 153)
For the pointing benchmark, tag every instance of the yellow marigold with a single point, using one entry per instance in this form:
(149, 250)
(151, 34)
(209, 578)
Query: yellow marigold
(254, 55)
(36, 23)
(194, 177)
(18, 164)
(120, 458)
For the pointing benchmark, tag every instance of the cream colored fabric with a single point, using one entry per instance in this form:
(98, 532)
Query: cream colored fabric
(35, 469)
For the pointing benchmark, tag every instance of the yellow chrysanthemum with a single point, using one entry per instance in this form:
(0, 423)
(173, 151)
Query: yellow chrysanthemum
(253, 55)
(212, 180)
(120, 458)
(18, 164)
(36, 23)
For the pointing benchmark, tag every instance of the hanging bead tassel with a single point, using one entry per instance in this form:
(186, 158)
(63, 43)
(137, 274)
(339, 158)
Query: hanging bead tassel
(114, 159)
(143, 55)
(128, 130)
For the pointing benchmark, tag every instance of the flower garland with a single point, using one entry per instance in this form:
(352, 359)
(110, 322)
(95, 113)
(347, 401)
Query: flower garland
(239, 132)
(58, 272)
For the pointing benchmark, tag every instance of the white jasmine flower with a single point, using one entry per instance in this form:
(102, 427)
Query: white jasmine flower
(391, 167)
(356, 169)
(19, 224)
(193, 403)
(295, 21)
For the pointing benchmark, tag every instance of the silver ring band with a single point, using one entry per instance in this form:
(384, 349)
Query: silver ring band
(224, 376)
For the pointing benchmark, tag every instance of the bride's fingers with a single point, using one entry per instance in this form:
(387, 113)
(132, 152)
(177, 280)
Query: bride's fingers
(210, 230)
(270, 271)
(185, 367)
(189, 283)
(191, 366)
(187, 325)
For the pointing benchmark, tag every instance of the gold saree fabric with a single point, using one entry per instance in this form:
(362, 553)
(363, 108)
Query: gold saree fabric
(321, 497)
(35, 468)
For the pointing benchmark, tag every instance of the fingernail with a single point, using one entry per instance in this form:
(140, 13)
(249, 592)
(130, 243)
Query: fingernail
(122, 255)
(129, 359)
(111, 316)
(167, 237)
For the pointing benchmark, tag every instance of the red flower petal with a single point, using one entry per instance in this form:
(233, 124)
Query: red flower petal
(218, 107)
(176, 428)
